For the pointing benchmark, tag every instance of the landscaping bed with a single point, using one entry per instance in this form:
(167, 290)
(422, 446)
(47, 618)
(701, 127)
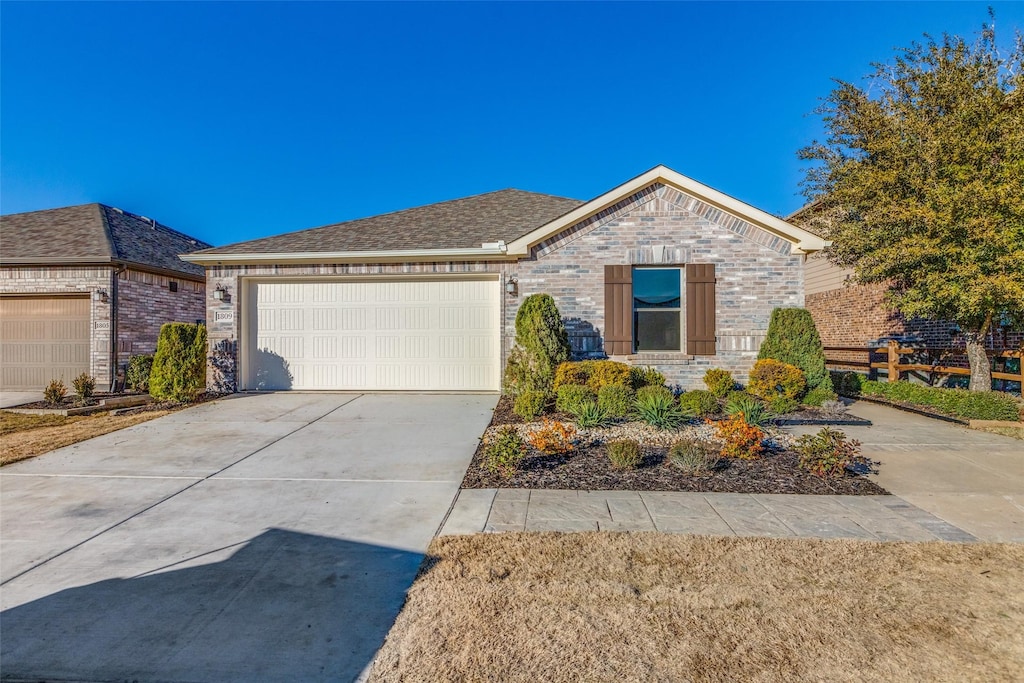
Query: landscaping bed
(587, 466)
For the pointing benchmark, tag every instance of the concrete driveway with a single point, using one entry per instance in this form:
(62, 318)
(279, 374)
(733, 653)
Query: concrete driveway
(267, 537)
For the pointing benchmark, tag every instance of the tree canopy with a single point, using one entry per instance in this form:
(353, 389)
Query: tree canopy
(920, 181)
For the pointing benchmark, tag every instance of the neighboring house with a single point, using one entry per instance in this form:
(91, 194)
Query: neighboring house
(83, 288)
(661, 271)
(852, 314)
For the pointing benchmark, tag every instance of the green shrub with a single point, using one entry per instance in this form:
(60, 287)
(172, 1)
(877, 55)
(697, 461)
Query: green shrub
(590, 414)
(570, 372)
(826, 453)
(693, 456)
(847, 382)
(816, 397)
(754, 411)
(699, 403)
(504, 451)
(624, 454)
(85, 387)
(773, 379)
(570, 396)
(616, 400)
(793, 338)
(780, 405)
(541, 344)
(530, 404)
(55, 392)
(961, 403)
(179, 366)
(719, 382)
(659, 408)
(137, 375)
(645, 377)
(593, 373)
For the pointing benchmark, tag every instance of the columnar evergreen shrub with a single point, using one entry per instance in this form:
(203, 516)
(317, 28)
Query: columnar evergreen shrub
(137, 375)
(793, 338)
(179, 365)
(541, 344)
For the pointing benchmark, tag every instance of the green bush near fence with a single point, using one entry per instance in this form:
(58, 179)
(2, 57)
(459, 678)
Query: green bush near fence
(966, 405)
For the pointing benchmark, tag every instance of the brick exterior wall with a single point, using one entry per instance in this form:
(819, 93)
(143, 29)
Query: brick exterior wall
(67, 280)
(855, 314)
(146, 302)
(756, 272)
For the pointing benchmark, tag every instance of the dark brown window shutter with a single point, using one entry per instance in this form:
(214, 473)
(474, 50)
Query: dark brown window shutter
(700, 309)
(618, 310)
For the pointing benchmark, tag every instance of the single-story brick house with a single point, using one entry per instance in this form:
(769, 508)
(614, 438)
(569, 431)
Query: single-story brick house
(83, 288)
(661, 271)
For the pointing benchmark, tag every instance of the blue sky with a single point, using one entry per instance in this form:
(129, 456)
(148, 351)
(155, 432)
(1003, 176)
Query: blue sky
(238, 120)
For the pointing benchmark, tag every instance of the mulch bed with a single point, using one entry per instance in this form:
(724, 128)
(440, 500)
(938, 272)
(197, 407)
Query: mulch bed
(72, 402)
(590, 469)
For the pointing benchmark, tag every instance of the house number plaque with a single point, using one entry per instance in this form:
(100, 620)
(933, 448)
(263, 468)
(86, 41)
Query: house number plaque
(223, 316)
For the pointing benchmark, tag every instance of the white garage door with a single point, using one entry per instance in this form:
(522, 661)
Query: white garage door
(413, 335)
(42, 338)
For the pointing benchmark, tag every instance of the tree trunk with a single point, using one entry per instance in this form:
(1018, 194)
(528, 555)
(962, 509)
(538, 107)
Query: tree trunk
(981, 368)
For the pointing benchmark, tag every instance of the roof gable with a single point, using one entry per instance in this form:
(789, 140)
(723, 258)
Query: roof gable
(94, 233)
(708, 202)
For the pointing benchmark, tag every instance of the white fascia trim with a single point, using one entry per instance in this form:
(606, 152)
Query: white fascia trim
(803, 241)
(494, 251)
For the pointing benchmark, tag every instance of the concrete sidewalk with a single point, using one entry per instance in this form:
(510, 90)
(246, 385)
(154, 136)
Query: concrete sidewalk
(880, 518)
(973, 480)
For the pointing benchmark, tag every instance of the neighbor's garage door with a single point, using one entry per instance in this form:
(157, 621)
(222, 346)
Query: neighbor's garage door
(374, 335)
(42, 338)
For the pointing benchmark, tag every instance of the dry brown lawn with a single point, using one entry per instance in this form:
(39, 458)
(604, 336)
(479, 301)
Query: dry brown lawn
(656, 607)
(25, 436)
(1015, 432)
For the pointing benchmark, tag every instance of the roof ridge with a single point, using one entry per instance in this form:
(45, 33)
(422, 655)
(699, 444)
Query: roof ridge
(100, 209)
(155, 224)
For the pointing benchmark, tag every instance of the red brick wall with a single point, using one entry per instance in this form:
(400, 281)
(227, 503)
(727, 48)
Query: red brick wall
(855, 314)
(145, 302)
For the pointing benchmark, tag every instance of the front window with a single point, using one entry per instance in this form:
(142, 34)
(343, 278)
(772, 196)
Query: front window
(657, 309)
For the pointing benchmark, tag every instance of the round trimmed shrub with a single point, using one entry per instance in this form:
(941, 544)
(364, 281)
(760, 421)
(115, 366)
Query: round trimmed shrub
(645, 377)
(615, 400)
(570, 372)
(771, 379)
(782, 405)
(699, 403)
(604, 373)
(570, 397)
(530, 404)
(818, 396)
(719, 382)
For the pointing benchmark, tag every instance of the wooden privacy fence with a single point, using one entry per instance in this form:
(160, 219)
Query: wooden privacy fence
(936, 358)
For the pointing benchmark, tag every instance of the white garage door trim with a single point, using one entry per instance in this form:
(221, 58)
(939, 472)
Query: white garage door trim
(43, 337)
(416, 333)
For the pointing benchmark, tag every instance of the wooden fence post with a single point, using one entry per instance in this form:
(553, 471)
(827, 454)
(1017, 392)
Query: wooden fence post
(894, 361)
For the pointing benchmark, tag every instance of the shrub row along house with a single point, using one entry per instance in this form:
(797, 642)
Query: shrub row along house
(661, 271)
(83, 288)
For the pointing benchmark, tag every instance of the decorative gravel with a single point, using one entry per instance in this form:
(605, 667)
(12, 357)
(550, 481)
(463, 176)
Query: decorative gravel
(587, 466)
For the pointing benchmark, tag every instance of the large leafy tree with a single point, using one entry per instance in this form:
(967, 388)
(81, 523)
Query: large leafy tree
(920, 184)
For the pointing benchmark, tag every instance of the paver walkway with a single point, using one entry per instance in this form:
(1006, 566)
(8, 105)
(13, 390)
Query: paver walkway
(880, 518)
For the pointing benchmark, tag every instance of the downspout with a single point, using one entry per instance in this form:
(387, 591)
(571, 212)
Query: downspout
(114, 273)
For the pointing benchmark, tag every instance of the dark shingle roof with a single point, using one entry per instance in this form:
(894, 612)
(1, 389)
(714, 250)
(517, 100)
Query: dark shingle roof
(94, 233)
(456, 224)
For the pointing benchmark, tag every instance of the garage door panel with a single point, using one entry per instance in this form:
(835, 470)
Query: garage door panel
(398, 335)
(43, 338)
